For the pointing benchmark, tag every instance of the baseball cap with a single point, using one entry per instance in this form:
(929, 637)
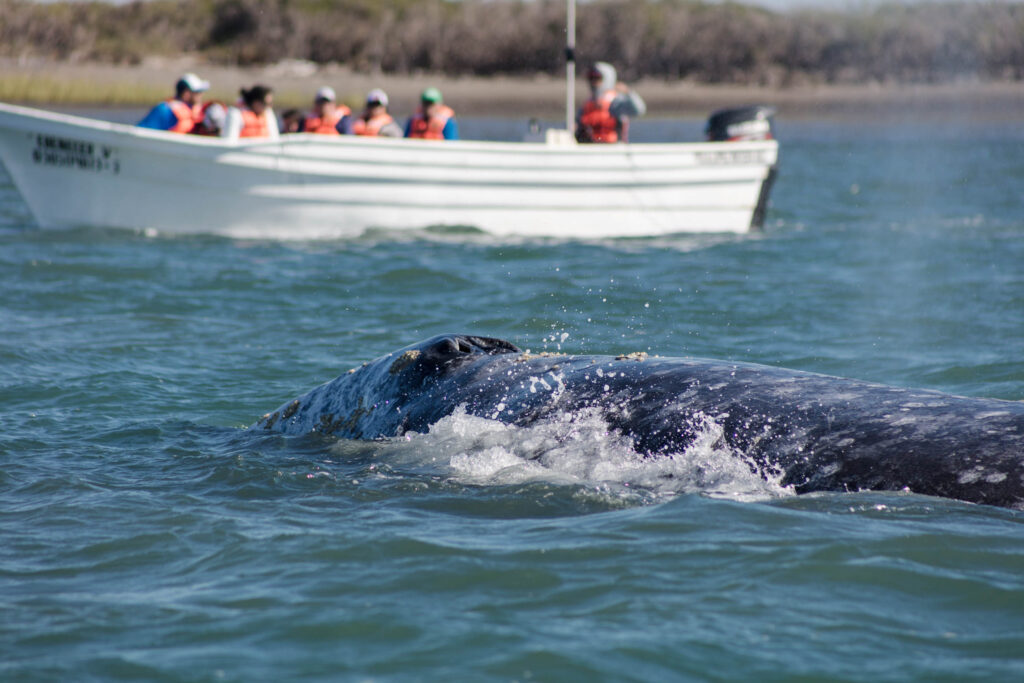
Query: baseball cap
(193, 83)
(326, 93)
(377, 95)
(431, 95)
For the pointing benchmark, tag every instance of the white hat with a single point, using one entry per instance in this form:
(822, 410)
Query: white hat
(377, 95)
(193, 83)
(326, 93)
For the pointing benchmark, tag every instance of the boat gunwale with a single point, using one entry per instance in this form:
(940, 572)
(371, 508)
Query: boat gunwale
(294, 141)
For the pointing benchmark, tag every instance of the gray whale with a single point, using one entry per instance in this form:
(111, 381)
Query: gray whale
(819, 433)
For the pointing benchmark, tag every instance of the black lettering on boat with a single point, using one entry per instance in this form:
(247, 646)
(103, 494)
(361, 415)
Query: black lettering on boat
(83, 155)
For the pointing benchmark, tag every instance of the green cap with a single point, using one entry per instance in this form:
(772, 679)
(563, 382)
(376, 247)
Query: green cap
(431, 95)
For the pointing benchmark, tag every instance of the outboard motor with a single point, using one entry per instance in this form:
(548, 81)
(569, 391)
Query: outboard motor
(745, 123)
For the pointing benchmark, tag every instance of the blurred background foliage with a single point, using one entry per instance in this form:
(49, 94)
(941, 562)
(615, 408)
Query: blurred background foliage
(671, 39)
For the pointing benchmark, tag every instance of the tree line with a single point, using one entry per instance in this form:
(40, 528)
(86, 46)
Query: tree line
(672, 39)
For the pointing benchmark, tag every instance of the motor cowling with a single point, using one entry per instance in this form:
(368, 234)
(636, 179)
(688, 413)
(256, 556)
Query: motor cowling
(743, 123)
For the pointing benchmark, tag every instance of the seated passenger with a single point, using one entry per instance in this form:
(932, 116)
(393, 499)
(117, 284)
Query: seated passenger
(252, 116)
(214, 116)
(292, 121)
(181, 113)
(327, 114)
(375, 119)
(433, 120)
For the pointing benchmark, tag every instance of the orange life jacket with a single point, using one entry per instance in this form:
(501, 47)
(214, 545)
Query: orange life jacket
(253, 125)
(372, 125)
(188, 115)
(327, 125)
(598, 121)
(430, 128)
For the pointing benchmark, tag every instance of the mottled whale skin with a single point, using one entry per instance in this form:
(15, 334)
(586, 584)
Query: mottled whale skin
(819, 433)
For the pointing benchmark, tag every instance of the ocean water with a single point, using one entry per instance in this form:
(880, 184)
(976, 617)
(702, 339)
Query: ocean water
(145, 535)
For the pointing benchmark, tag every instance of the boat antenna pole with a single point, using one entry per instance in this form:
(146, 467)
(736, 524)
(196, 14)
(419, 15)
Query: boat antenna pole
(570, 65)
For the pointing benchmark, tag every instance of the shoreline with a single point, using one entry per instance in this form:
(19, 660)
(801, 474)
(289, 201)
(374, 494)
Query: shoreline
(93, 84)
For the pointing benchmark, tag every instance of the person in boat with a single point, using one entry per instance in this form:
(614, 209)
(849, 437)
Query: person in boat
(253, 115)
(181, 113)
(433, 120)
(327, 115)
(292, 121)
(215, 115)
(605, 116)
(375, 121)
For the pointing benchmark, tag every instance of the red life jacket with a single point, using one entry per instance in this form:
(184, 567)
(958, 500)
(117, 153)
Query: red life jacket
(253, 125)
(188, 115)
(327, 125)
(430, 128)
(372, 126)
(598, 121)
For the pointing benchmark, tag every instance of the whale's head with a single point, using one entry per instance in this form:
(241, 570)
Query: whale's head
(443, 353)
(386, 394)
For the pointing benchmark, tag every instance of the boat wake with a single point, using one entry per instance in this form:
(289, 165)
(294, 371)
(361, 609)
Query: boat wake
(578, 449)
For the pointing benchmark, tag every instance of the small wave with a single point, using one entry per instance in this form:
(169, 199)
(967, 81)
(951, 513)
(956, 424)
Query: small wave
(576, 449)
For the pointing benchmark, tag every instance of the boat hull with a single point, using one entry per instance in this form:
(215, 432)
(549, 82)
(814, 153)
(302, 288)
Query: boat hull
(74, 171)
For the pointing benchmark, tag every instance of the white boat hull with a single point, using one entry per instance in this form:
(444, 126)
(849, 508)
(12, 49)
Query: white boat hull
(75, 172)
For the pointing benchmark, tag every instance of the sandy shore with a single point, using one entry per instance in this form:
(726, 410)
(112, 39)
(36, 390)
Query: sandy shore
(541, 96)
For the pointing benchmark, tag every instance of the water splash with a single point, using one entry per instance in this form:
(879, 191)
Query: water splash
(579, 449)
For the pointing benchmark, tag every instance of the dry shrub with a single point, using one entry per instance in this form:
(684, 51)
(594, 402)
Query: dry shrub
(725, 43)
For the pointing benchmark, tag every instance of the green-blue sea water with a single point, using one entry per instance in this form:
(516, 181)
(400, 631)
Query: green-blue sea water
(145, 535)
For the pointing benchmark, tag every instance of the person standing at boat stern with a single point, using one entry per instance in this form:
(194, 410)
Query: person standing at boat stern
(181, 113)
(252, 116)
(375, 121)
(327, 116)
(605, 116)
(433, 120)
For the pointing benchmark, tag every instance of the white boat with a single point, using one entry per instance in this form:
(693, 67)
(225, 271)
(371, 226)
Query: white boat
(75, 171)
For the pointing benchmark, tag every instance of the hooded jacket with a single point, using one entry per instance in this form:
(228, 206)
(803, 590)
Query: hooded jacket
(605, 116)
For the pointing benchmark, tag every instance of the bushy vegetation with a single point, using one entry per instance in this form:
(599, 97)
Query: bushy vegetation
(674, 39)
